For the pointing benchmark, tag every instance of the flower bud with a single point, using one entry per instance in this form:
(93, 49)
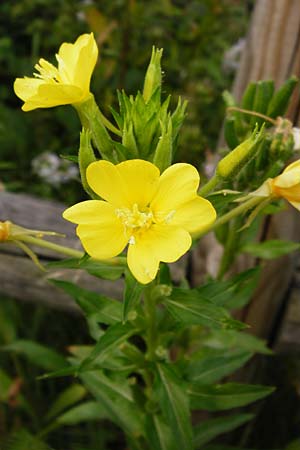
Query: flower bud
(153, 74)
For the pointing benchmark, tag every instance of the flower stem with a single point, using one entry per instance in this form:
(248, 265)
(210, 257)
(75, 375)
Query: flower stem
(230, 247)
(67, 250)
(150, 311)
(244, 207)
(209, 186)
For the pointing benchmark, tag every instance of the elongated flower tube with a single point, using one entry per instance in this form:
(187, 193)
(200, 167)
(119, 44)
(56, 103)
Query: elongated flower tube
(69, 83)
(153, 214)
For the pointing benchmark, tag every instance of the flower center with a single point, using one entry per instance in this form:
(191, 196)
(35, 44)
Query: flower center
(4, 230)
(134, 220)
(47, 72)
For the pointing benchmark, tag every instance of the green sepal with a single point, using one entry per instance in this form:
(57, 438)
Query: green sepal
(249, 96)
(263, 94)
(164, 150)
(280, 100)
(86, 156)
(230, 132)
(153, 75)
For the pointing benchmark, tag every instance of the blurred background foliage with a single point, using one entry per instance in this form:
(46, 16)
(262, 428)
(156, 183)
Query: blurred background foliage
(194, 35)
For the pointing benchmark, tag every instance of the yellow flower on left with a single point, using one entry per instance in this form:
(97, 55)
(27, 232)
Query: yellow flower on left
(154, 214)
(68, 83)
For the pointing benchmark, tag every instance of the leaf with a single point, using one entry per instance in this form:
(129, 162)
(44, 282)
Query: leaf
(104, 309)
(226, 396)
(106, 270)
(271, 249)
(121, 409)
(132, 294)
(210, 429)
(65, 399)
(85, 412)
(37, 354)
(23, 440)
(233, 293)
(188, 307)
(230, 339)
(111, 339)
(159, 434)
(212, 366)
(174, 404)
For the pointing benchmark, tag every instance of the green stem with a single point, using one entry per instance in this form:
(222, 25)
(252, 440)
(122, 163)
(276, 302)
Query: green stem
(67, 250)
(244, 207)
(150, 311)
(230, 247)
(209, 186)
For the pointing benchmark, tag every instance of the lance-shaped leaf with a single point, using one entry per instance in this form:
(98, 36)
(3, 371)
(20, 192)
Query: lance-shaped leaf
(209, 366)
(104, 309)
(116, 398)
(271, 249)
(159, 434)
(225, 396)
(85, 412)
(230, 339)
(109, 341)
(212, 428)
(107, 270)
(188, 307)
(175, 406)
(66, 399)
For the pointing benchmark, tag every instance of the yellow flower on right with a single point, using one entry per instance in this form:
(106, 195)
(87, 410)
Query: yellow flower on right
(286, 185)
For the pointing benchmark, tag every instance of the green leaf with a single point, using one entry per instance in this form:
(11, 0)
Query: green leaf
(211, 366)
(271, 249)
(226, 396)
(159, 434)
(107, 270)
(110, 340)
(37, 354)
(188, 307)
(132, 294)
(230, 339)
(85, 412)
(174, 404)
(294, 445)
(210, 429)
(233, 293)
(66, 398)
(23, 440)
(117, 401)
(104, 309)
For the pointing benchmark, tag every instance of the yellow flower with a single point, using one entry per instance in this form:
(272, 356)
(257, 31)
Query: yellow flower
(287, 184)
(154, 214)
(68, 83)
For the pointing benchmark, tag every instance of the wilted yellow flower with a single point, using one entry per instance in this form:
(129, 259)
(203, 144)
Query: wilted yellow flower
(68, 83)
(4, 230)
(287, 184)
(154, 214)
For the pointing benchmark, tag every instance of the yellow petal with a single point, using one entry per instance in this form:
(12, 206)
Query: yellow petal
(142, 263)
(177, 185)
(141, 180)
(105, 179)
(25, 88)
(49, 95)
(104, 240)
(77, 61)
(160, 243)
(91, 211)
(194, 216)
(296, 205)
(289, 177)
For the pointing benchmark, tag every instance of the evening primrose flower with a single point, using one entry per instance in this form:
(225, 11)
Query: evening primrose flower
(153, 214)
(68, 83)
(286, 185)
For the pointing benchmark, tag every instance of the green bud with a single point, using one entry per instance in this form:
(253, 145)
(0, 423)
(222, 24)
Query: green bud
(164, 150)
(263, 94)
(128, 140)
(232, 163)
(92, 119)
(153, 74)
(86, 156)
(280, 100)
